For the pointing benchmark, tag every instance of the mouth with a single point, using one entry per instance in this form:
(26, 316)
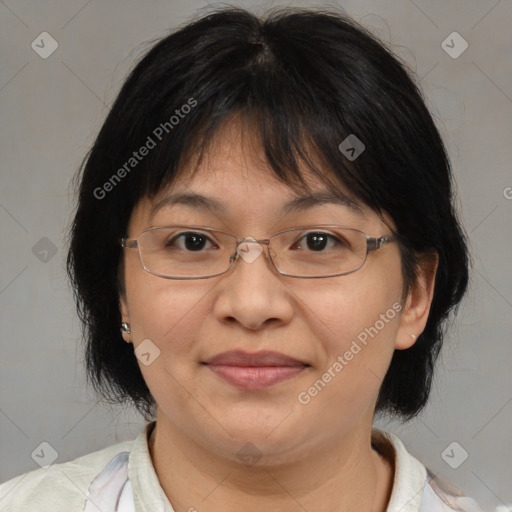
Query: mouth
(255, 371)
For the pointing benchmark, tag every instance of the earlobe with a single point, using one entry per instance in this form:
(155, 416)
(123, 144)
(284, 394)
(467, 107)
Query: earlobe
(417, 305)
(125, 320)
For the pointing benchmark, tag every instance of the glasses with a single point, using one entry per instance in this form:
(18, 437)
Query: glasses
(197, 252)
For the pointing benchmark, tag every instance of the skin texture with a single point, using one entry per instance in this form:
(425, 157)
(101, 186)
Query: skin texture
(313, 457)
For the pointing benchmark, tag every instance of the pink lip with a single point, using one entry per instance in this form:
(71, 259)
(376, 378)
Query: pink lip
(255, 371)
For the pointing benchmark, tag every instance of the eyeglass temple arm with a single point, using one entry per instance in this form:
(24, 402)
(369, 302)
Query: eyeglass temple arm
(374, 244)
(129, 244)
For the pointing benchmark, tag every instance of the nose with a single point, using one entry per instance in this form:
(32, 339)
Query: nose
(252, 293)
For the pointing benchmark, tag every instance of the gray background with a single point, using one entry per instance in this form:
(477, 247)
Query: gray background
(51, 110)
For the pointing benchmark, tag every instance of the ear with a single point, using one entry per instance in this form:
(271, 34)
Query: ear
(125, 317)
(417, 304)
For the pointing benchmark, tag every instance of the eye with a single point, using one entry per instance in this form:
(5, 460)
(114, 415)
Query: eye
(190, 241)
(318, 241)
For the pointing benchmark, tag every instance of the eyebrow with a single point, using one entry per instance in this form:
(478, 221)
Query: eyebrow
(189, 199)
(299, 203)
(307, 201)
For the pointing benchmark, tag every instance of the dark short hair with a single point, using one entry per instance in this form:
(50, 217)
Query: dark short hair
(303, 81)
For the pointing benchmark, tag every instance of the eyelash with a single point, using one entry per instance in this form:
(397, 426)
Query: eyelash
(303, 236)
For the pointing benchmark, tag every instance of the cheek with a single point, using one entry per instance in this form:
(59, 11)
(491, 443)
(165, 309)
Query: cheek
(352, 308)
(355, 323)
(169, 313)
(355, 354)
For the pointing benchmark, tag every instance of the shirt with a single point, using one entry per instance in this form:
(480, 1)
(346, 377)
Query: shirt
(121, 478)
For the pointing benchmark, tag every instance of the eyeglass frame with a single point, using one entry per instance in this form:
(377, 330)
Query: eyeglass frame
(372, 244)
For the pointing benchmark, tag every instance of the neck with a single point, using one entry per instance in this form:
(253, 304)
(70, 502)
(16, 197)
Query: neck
(348, 476)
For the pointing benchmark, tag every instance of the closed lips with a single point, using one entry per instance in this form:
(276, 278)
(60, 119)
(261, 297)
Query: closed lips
(256, 371)
(259, 359)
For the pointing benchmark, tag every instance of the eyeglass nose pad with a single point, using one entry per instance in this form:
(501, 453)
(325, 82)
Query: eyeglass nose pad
(249, 249)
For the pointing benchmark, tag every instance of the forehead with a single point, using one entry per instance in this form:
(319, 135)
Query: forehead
(234, 164)
(233, 180)
(231, 191)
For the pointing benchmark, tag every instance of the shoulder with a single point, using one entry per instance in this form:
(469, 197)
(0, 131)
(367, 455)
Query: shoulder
(416, 488)
(59, 487)
(440, 495)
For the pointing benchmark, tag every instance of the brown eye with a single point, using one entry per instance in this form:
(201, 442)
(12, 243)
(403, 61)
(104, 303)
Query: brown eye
(318, 242)
(190, 241)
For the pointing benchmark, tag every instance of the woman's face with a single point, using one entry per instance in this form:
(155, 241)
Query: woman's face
(342, 329)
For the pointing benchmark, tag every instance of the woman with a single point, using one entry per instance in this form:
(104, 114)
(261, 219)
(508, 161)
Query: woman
(264, 254)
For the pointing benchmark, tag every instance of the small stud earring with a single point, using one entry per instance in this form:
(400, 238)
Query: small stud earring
(126, 328)
(413, 336)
